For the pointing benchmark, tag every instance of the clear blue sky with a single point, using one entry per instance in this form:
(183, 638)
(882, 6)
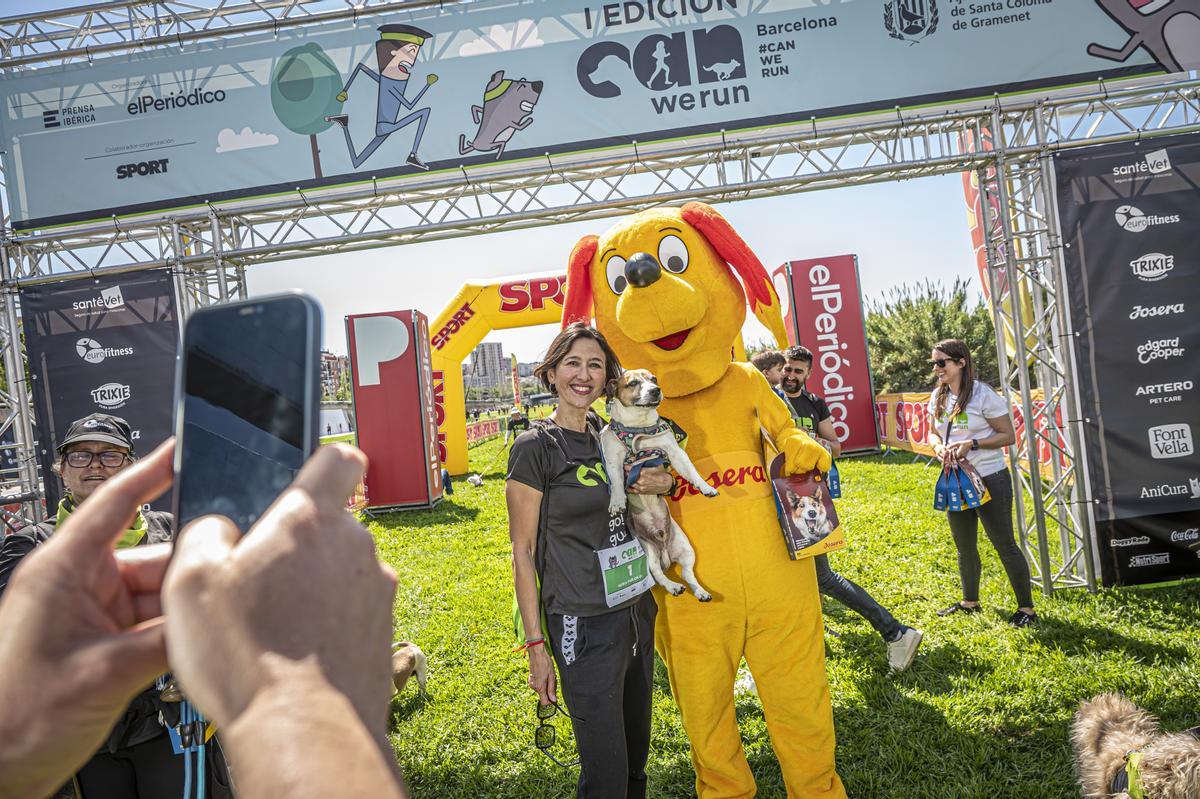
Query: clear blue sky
(902, 232)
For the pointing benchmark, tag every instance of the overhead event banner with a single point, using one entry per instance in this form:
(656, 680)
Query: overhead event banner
(392, 383)
(824, 313)
(106, 345)
(457, 84)
(1130, 215)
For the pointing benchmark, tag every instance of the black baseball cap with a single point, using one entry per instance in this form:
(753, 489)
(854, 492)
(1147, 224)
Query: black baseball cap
(99, 427)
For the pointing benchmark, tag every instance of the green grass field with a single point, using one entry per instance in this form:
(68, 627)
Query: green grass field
(982, 713)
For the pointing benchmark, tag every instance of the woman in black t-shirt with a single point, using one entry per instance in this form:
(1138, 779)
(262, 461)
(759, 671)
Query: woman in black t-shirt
(593, 576)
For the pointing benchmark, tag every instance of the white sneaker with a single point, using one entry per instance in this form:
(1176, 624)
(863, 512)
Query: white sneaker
(903, 650)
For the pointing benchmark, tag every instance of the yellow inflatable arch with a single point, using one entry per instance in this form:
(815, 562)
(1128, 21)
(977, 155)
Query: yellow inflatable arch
(477, 309)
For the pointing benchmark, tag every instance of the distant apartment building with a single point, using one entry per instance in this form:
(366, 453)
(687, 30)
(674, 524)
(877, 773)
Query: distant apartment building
(488, 368)
(333, 369)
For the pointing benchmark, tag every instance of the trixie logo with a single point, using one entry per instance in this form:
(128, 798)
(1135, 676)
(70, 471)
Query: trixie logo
(1171, 441)
(1152, 266)
(1132, 541)
(1131, 218)
(1155, 163)
(1185, 536)
(1159, 349)
(454, 324)
(1158, 559)
(1146, 311)
(111, 395)
(527, 295)
(109, 299)
(131, 170)
(728, 477)
(93, 351)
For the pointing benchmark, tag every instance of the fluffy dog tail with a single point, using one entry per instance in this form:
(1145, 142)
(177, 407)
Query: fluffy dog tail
(1103, 730)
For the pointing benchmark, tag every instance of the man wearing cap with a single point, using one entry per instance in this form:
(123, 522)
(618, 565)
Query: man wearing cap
(517, 423)
(138, 759)
(395, 53)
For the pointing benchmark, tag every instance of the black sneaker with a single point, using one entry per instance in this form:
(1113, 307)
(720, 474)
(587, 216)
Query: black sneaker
(958, 607)
(1023, 619)
(417, 162)
(340, 119)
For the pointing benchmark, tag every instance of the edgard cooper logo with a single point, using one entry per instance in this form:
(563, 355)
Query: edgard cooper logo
(111, 395)
(93, 351)
(1131, 218)
(1171, 441)
(1159, 349)
(1152, 266)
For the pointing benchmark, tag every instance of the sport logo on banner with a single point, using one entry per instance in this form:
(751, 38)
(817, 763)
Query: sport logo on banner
(106, 345)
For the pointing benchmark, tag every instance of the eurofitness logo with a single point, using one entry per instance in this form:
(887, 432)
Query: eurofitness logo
(1189, 536)
(1131, 218)
(111, 395)
(1132, 541)
(1152, 266)
(910, 20)
(1157, 559)
(1159, 350)
(1171, 441)
(1146, 311)
(1155, 163)
(110, 299)
(93, 351)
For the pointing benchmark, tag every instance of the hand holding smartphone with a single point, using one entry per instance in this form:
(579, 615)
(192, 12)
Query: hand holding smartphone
(247, 405)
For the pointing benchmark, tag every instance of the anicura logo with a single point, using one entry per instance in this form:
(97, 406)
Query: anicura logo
(109, 299)
(1152, 266)
(93, 351)
(1131, 218)
(111, 395)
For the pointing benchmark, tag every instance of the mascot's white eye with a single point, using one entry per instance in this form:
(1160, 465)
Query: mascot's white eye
(673, 254)
(615, 272)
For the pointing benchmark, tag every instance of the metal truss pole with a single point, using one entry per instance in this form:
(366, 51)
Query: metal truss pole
(16, 396)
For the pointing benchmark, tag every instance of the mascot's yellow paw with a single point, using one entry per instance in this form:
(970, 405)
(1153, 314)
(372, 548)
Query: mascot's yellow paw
(802, 454)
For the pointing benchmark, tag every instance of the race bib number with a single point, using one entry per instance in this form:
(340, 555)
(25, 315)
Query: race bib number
(625, 571)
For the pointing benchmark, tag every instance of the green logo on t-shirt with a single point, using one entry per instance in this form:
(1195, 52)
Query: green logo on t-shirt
(581, 474)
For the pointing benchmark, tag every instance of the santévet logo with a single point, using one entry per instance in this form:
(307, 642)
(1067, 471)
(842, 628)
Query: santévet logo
(109, 299)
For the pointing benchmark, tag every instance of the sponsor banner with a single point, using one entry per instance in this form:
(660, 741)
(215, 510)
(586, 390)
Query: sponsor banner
(393, 397)
(516, 383)
(1149, 549)
(904, 423)
(444, 87)
(101, 346)
(476, 310)
(482, 430)
(1129, 216)
(824, 313)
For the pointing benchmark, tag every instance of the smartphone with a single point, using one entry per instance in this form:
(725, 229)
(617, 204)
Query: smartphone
(247, 405)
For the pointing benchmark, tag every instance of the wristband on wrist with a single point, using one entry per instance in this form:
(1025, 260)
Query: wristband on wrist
(529, 645)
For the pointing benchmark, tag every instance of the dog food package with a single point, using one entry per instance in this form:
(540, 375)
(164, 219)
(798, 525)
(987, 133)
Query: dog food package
(806, 514)
(974, 491)
(941, 490)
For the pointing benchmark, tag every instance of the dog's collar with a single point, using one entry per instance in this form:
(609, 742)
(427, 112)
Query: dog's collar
(1129, 779)
(626, 434)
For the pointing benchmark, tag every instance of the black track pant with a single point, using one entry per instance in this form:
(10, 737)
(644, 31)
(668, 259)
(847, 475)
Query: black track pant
(606, 671)
(997, 520)
(149, 769)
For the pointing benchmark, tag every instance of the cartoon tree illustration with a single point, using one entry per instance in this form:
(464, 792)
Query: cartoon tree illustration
(304, 89)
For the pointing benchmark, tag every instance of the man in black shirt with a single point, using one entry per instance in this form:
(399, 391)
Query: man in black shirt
(812, 415)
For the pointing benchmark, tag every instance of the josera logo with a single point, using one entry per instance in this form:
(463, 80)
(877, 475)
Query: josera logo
(531, 294)
(724, 478)
(661, 63)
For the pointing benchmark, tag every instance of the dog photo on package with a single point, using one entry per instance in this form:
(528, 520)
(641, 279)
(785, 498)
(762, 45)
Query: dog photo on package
(808, 520)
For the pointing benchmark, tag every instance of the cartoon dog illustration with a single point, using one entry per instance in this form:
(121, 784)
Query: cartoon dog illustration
(668, 288)
(507, 107)
(1168, 29)
(725, 69)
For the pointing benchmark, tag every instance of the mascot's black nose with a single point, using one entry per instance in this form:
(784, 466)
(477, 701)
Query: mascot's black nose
(537, 86)
(642, 270)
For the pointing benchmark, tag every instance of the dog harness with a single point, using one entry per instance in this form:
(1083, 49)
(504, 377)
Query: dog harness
(637, 460)
(1129, 779)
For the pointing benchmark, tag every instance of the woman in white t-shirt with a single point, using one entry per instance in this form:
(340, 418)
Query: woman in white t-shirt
(969, 421)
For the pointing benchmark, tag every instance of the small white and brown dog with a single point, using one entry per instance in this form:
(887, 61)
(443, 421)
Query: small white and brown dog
(808, 515)
(407, 660)
(637, 433)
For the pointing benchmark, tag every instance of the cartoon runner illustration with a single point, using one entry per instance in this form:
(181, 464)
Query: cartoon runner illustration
(395, 52)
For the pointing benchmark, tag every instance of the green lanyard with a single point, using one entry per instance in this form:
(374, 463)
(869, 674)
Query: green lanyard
(129, 538)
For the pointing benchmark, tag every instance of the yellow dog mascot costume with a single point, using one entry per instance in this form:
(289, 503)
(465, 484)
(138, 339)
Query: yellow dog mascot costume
(660, 287)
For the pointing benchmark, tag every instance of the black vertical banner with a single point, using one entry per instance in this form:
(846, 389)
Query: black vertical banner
(106, 345)
(1130, 217)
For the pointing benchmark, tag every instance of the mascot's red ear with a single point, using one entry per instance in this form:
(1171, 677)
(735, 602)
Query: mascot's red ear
(577, 304)
(764, 302)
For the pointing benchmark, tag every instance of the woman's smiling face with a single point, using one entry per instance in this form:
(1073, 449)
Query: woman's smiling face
(579, 376)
